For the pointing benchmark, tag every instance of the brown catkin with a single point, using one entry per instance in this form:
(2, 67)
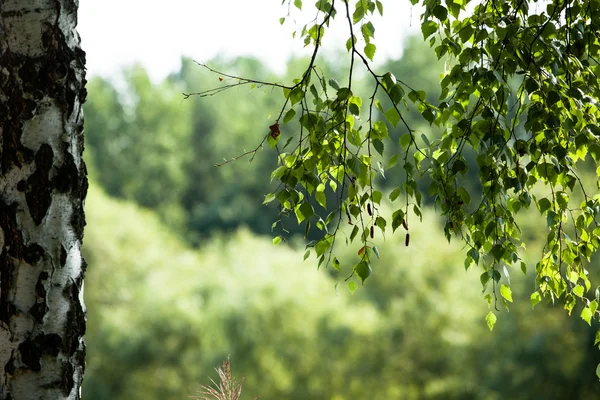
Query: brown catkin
(372, 232)
(407, 240)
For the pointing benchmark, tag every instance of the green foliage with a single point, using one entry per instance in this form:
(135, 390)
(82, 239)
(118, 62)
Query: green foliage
(519, 94)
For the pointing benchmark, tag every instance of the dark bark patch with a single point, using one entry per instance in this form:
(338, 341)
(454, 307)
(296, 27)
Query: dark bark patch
(9, 367)
(40, 289)
(75, 321)
(31, 354)
(67, 378)
(38, 196)
(22, 186)
(33, 253)
(52, 344)
(78, 218)
(13, 249)
(40, 308)
(67, 177)
(63, 256)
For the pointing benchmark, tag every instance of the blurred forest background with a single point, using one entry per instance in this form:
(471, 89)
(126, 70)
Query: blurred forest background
(182, 271)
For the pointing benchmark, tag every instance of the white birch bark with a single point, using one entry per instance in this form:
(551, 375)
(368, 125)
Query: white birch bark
(42, 189)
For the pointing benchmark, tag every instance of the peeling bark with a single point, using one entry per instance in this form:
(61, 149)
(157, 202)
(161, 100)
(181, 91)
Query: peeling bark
(42, 190)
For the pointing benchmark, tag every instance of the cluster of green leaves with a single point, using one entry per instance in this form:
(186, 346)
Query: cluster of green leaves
(521, 92)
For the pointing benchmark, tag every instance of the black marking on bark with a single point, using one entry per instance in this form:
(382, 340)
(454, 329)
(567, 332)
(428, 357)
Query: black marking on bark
(63, 256)
(83, 269)
(39, 192)
(31, 354)
(40, 289)
(72, 346)
(78, 217)
(67, 177)
(22, 186)
(13, 249)
(67, 378)
(40, 308)
(33, 254)
(9, 367)
(76, 315)
(52, 344)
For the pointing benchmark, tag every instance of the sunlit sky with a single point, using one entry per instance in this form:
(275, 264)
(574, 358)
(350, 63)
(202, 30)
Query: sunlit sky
(156, 33)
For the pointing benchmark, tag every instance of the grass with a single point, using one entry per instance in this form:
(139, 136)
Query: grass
(228, 388)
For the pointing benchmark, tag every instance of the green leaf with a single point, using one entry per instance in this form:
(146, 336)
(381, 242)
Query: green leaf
(323, 245)
(354, 104)
(535, 298)
(344, 93)
(359, 12)
(397, 219)
(304, 211)
(405, 141)
(336, 264)
(586, 315)
(370, 49)
(395, 193)
(594, 150)
(429, 28)
(506, 292)
(334, 84)
(544, 205)
(484, 278)
(321, 198)
(393, 161)
(298, 4)
(296, 95)
(281, 21)
(379, 146)
(440, 12)
(392, 116)
(376, 252)
(269, 198)
(289, 116)
(276, 240)
(350, 42)
(497, 251)
(490, 318)
(377, 196)
(598, 371)
(381, 223)
(368, 31)
(306, 254)
(352, 286)
(379, 7)
(363, 270)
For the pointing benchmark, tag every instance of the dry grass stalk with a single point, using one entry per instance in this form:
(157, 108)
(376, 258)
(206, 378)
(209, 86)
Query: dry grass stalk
(227, 389)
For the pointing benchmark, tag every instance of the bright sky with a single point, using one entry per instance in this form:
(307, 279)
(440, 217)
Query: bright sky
(156, 33)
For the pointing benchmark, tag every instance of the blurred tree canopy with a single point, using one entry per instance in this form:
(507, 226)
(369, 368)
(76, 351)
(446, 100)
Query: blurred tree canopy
(184, 275)
(161, 316)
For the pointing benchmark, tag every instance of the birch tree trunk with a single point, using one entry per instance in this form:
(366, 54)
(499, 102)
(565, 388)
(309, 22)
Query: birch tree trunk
(42, 189)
